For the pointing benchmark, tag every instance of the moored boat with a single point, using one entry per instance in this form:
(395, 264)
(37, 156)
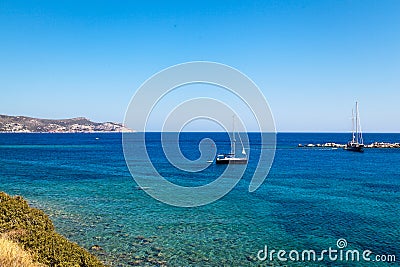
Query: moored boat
(231, 158)
(357, 142)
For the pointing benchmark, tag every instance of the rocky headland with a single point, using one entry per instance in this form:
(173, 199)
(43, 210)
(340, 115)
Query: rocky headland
(22, 124)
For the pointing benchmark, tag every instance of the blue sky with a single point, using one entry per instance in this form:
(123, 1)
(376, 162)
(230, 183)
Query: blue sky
(311, 59)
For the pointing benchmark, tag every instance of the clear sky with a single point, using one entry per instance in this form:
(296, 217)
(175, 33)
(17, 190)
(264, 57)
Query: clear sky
(312, 59)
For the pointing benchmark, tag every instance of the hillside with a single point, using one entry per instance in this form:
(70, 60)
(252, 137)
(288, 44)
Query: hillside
(27, 234)
(35, 125)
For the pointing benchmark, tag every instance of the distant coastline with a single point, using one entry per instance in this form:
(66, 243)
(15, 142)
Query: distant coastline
(23, 124)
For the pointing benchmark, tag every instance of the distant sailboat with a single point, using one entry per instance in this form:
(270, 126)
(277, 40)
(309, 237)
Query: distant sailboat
(231, 158)
(357, 142)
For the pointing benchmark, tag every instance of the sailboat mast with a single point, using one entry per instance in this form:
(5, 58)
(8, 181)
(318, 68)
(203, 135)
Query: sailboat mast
(359, 136)
(233, 144)
(356, 121)
(352, 124)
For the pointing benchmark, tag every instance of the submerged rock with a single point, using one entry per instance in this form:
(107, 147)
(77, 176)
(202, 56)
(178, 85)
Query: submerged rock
(96, 248)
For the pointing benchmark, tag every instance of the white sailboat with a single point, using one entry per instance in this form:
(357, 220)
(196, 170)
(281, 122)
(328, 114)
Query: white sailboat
(357, 142)
(231, 158)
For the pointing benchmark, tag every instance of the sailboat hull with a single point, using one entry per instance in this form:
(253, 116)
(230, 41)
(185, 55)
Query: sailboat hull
(231, 161)
(355, 148)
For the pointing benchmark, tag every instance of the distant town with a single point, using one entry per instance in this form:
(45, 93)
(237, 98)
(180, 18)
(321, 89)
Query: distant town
(22, 124)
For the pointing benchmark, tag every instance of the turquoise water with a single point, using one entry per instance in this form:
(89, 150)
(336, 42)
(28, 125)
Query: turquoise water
(311, 198)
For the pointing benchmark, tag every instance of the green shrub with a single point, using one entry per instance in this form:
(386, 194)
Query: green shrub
(34, 231)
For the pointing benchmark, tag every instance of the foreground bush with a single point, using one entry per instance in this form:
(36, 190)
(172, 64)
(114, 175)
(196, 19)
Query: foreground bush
(34, 232)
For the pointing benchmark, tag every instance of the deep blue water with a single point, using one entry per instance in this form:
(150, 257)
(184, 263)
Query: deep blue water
(310, 199)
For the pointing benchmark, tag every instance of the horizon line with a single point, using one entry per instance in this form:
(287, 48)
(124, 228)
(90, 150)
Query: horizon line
(111, 132)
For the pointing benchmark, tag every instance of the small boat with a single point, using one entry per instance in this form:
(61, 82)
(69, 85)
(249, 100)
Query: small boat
(357, 142)
(141, 188)
(231, 158)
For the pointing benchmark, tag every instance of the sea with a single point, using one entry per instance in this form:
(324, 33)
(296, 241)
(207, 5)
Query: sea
(312, 199)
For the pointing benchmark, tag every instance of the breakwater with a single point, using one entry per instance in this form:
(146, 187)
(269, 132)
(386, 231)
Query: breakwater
(336, 145)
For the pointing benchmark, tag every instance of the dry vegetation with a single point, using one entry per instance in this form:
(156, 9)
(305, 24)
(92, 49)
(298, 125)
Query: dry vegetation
(12, 255)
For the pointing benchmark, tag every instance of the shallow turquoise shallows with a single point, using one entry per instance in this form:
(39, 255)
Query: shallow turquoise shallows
(311, 198)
